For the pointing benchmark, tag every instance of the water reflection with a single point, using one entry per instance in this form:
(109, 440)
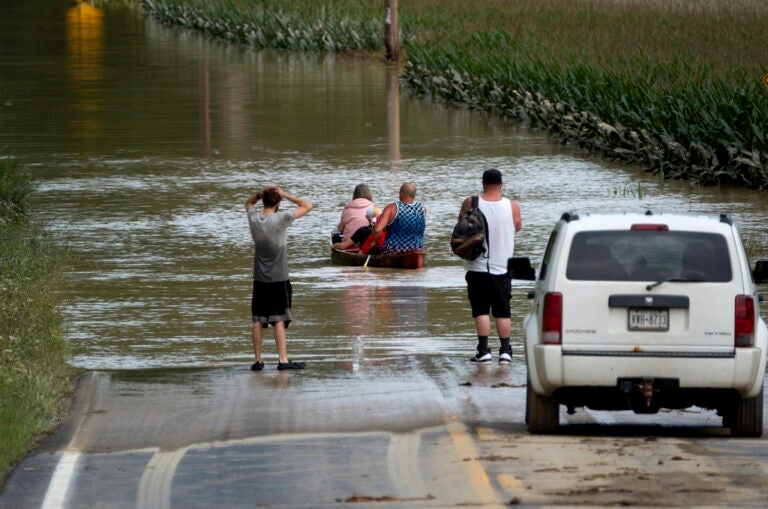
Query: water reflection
(85, 32)
(393, 116)
(85, 48)
(388, 310)
(401, 310)
(177, 131)
(358, 310)
(205, 108)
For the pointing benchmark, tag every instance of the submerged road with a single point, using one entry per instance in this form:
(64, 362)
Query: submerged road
(417, 432)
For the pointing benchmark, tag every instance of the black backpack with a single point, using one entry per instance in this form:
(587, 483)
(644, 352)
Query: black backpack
(469, 233)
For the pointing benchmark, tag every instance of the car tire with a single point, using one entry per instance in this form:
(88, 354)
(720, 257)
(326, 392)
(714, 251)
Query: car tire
(542, 412)
(746, 419)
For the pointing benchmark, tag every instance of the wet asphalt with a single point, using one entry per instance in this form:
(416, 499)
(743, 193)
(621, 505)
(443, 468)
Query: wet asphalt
(423, 431)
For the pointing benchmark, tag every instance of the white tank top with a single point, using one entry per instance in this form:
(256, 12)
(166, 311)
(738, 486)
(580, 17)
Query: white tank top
(500, 243)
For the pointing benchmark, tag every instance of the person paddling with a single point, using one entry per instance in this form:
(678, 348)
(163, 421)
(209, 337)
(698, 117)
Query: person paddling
(404, 221)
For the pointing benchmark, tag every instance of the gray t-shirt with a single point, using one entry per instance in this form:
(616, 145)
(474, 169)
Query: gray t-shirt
(270, 263)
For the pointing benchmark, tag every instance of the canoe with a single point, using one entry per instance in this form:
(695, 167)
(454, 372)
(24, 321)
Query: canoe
(408, 260)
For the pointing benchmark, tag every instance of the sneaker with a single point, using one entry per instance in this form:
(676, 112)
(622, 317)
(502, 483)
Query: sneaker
(482, 356)
(290, 365)
(505, 357)
(257, 366)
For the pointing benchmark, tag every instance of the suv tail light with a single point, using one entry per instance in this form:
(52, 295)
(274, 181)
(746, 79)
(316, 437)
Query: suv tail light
(552, 319)
(650, 227)
(744, 327)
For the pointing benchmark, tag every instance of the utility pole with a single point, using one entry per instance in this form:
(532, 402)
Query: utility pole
(391, 30)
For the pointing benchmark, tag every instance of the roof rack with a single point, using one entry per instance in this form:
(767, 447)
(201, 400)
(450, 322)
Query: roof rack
(569, 216)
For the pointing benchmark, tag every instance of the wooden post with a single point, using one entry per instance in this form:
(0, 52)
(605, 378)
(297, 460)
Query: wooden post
(391, 30)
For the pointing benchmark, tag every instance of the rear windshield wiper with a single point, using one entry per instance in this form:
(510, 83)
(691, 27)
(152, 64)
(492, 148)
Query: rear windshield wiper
(674, 279)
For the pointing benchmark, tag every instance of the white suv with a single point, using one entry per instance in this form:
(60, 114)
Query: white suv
(641, 312)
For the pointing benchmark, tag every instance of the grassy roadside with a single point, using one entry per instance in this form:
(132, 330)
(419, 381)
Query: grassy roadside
(34, 374)
(672, 85)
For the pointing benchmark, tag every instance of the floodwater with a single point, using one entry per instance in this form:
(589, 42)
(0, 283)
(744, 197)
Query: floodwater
(147, 141)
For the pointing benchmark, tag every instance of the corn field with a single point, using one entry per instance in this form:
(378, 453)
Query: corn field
(675, 86)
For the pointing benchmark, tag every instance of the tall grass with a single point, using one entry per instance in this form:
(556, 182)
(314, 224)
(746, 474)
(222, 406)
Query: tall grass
(15, 191)
(719, 37)
(669, 84)
(301, 25)
(672, 83)
(34, 375)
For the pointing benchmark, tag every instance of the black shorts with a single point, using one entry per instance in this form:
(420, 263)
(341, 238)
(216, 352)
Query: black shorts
(271, 302)
(489, 292)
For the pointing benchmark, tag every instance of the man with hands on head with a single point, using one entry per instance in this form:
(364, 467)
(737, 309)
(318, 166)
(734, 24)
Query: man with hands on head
(272, 293)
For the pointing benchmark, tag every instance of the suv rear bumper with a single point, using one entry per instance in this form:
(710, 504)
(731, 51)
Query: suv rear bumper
(742, 371)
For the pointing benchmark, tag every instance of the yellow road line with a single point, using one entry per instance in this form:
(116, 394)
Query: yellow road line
(477, 477)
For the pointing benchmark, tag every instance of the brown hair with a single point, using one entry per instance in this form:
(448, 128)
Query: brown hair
(271, 197)
(362, 191)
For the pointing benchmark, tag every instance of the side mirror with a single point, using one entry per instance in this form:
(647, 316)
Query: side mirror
(519, 267)
(760, 274)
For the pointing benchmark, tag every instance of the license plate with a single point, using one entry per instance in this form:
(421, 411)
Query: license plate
(649, 319)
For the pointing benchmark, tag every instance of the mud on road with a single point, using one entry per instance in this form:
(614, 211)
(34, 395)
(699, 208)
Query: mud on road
(612, 470)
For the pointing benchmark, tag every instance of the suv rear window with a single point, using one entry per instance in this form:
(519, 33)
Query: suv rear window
(638, 255)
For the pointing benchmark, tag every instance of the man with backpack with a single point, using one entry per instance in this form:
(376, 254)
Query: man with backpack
(489, 287)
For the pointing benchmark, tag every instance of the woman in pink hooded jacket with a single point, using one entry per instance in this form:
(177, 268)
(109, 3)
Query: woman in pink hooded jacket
(357, 214)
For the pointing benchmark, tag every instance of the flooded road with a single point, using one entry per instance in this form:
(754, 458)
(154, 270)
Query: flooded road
(147, 141)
